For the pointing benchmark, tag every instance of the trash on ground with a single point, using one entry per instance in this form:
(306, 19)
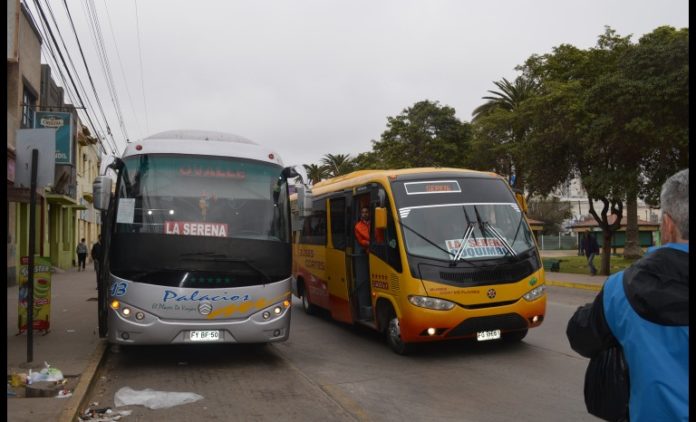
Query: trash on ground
(18, 379)
(104, 414)
(153, 399)
(64, 393)
(46, 374)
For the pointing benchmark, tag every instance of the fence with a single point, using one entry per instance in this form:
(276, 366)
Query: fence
(558, 242)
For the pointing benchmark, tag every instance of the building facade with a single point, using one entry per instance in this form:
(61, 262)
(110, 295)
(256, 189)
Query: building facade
(64, 212)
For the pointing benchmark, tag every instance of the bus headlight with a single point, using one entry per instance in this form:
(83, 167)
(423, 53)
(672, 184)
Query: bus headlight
(535, 293)
(431, 303)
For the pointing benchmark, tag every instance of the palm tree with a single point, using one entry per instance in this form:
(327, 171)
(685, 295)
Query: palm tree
(510, 96)
(338, 164)
(513, 130)
(316, 173)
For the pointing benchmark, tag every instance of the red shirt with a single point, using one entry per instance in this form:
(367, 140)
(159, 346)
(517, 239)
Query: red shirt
(362, 233)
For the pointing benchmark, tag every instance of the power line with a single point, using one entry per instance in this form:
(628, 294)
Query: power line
(142, 74)
(60, 54)
(104, 60)
(89, 75)
(62, 77)
(120, 62)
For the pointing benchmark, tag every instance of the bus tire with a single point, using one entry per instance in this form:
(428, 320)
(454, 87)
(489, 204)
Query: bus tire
(393, 336)
(306, 305)
(515, 336)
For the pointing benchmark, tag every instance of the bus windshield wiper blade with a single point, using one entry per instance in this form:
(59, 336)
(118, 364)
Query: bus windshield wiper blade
(426, 239)
(485, 225)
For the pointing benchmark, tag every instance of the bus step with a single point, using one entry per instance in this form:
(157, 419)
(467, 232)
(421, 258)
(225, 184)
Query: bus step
(366, 313)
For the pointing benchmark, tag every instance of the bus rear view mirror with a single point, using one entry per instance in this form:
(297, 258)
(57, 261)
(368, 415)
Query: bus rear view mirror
(380, 218)
(101, 192)
(304, 201)
(521, 201)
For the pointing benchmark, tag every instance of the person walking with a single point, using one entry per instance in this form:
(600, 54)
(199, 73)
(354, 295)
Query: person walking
(81, 255)
(590, 247)
(644, 310)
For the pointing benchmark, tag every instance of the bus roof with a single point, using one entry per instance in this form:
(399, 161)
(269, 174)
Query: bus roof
(364, 176)
(201, 142)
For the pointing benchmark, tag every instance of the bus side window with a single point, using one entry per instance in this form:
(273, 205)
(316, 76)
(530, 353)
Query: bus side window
(386, 244)
(338, 222)
(314, 229)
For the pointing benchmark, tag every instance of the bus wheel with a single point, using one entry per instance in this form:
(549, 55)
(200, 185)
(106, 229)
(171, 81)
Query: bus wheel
(515, 336)
(393, 336)
(308, 307)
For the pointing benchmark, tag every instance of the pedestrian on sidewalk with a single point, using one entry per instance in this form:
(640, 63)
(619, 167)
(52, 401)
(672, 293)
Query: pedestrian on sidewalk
(81, 255)
(644, 311)
(590, 247)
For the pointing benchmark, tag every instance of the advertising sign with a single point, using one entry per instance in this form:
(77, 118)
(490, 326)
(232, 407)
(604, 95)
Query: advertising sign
(62, 122)
(42, 293)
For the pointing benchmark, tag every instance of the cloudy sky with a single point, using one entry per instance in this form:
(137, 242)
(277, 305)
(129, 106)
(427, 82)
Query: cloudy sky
(312, 77)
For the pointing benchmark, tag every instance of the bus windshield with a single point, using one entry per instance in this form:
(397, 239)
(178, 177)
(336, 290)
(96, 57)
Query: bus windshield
(200, 196)
(461, 219)
(198, 221)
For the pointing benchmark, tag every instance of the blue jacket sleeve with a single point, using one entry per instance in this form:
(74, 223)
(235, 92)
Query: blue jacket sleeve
(588, 331)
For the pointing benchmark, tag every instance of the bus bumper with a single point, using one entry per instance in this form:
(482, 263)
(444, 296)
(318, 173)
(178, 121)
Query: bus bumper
(465, 323)
(251, 329)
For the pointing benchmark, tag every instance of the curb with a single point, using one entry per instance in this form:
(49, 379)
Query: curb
(71, 412)
(583, 286)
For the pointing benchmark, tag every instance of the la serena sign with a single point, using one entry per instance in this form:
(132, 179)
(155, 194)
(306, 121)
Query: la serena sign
(191, 228)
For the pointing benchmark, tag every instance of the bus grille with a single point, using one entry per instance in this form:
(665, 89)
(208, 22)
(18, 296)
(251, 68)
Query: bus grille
(501, 275)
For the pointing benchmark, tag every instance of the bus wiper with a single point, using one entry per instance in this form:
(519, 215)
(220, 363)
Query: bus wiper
(483, 225)
(216, 257)
(465, 237)
(425, 238)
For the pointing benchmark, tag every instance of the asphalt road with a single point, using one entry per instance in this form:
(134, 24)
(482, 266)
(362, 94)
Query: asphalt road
(332, 371)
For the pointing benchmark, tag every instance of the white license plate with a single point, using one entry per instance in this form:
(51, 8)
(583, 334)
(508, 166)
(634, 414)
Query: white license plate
(488, 335)
(204, 335)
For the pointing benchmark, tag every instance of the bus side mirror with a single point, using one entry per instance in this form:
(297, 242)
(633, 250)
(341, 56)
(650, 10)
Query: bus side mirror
(521, 201)
(101, 192)
(380, 218)
(304, 201)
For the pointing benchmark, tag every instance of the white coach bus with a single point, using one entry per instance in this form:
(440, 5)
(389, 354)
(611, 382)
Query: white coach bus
(195, 241)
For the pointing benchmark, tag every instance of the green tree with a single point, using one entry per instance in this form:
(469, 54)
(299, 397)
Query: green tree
(423, 135)
(337, 164)
(605, 114)
(316, 173)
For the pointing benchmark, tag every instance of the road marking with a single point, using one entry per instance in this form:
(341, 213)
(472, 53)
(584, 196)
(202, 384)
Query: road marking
(584, 286)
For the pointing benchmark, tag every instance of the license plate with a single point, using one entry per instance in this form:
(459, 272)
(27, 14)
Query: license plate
(204, 335)
(488, 335)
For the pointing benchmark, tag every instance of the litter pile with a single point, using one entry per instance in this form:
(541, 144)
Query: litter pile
(49, 382)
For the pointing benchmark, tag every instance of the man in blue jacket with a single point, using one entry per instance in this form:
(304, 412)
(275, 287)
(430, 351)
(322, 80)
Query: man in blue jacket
(645, 308)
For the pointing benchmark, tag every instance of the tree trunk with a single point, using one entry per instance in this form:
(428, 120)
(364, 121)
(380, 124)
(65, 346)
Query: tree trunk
(632, 246)
(605, 268)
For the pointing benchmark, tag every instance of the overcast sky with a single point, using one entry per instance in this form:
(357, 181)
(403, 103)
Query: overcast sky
(312, 77)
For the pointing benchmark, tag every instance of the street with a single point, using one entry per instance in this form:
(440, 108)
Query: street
(332, 371)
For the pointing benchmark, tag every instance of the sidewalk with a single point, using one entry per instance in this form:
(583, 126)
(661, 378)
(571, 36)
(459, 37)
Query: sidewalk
(577, 281)
(72, 345)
